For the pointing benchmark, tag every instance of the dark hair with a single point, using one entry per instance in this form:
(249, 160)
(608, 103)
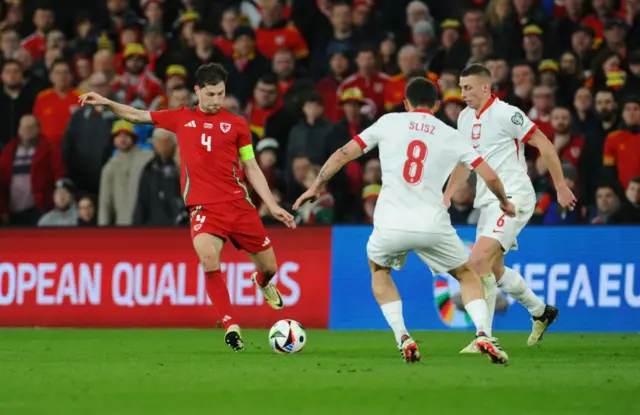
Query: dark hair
(59, 61)
(366, 47)
(496, 58)
(210, 74)
(634, 180)
(336, 3)
(421, 92)
(314, 97)
(476, 69)
(606, 91)
(181, 88)
(450, 71)
(11, 62)
(269, 79)
(44, 5)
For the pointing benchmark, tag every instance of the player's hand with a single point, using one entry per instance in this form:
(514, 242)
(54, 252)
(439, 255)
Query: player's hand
(447, 201)
(283, 216)
(509, 209)
(93, 99)
(566, 198)
(309, 196)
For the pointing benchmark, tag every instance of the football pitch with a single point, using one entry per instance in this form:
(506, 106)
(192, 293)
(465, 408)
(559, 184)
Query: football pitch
(192, 372)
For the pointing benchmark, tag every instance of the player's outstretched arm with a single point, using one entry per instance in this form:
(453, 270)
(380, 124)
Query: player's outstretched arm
(494, 184)
(459, 175)
(259, 183)
(349, 152)
(551, 159)
(125, 112)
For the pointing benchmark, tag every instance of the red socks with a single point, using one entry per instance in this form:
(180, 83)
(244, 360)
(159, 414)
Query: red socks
(219, 296)
(262, 279)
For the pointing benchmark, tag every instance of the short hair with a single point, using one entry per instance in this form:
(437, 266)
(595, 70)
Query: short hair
(476, 69)
(606, 91)
(314, 97)
(180, 88)
(59, 61)
(210, 74)
(269, 79)
(635, 180)
(365, 48)
(450, 71)
(421, 92)
(11, 62)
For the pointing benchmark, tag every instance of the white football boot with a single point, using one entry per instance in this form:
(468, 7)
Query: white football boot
(270, 293)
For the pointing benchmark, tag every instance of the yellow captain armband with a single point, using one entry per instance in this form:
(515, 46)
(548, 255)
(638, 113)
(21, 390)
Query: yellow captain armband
(246, 153)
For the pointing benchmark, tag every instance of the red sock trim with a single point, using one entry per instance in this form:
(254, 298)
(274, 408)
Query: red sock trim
(219, 296)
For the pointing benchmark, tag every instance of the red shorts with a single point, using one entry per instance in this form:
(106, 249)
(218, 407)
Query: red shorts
(236, 221)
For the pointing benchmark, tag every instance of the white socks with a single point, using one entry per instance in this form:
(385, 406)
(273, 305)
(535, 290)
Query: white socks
(393, 313)
(490, 293)
(513, 284)
(477, 310)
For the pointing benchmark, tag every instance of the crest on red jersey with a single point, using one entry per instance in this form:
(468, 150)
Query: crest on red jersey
(225, 127)
(476, 131)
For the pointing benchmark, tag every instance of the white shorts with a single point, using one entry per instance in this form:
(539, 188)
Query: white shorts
(493, 223)
(442, 252)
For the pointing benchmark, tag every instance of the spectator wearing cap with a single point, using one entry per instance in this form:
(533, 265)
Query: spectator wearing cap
(622, 147)
(525, 13)
(615, 34)
(602, 12)
(408, 61)
(548, 70)
(87, 142)
(265, 102)
(184, 27)
(159, 201)
(583, 44)
(629, 212)
(500, 82)
(453, 50)
(128, 34)
(275, 32)
(159, 57)
(605, 63)
(29, 167)
(327, 87)
(368, 80)
(203, 52)
(16, 100)
(370, 194)
(65, 211)
(424, 39)
(550, 212)
(566, 20)
(120, 178)
(452, 106)
(267, 151)
(137, 85)
(245, 67)
(533, 44)
(606, 205)
(54, 106)
(229, 23)
(43, 19)
(343, 39)
(176, 76)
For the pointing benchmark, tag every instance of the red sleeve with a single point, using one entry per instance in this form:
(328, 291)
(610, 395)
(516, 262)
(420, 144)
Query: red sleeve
(244, 135)
(167, 119)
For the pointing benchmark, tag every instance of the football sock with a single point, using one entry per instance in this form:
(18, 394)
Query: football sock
(490, 293)
(262, 279)
(219, 296)
(513, 284)
(393, 313)
(477, 310)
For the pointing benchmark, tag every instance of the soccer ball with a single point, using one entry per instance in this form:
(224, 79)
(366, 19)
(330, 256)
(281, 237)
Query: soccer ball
(287, 337)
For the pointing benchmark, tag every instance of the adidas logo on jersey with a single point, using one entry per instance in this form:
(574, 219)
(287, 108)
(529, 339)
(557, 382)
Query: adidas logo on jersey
(266, 241)
(191, 124)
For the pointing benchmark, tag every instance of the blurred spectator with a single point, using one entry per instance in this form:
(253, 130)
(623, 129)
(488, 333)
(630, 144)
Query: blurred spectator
(82, 71)
(319, 211)
(87, 143)
(180, 97)
(548, 70)
(453, 51)
(86, 212)
(245, 67)
(327, 87)
(629, 212)
(550, 212)
(622, 147)
(481, 48)
(307, 138)
(275, 32)
(65, 211)
(83, 42)
(264, 104)
(55, 106)
(370, 195)
(582, 44)
(474, 21)
(267, 157)
(607, 204)
(452, 106)
(153, 12)
(159, 57)
(615, 33)
(543, 103)
(497, 13)
(602, 12)
(9, 43)
(461, 210)
(387, 55)
(136, 86)
(159, 201)
(176, 76)
(229, 24)
(120, 179)
(30, 165)
(568, 145)
(369, 81)
(299, 167)
(231, 104)
(585, 119)
(43, 18)
(265, 213)
(424, 39)
(632, 84)
(15, 101)
(523, 80)
(284, 67)
(204, 51)
(533, 44)
(562, 28)
(499, 76)
(633, 19)
(103, 62)
(408, 61)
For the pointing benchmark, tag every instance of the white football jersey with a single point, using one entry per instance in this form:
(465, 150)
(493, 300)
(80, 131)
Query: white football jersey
(498, 134)
(417, 154)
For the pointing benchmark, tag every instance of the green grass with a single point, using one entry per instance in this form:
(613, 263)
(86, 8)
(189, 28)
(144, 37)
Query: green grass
(192, 372)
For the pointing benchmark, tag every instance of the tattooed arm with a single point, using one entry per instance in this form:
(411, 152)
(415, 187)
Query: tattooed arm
(351, 151)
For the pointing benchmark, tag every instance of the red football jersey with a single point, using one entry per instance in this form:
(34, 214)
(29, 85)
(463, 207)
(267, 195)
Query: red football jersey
(209, 145)
(372, 89)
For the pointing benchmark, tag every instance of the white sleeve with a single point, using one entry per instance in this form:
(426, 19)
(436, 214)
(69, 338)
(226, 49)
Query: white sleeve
(369, 138)
(467, 155)
(517, 124)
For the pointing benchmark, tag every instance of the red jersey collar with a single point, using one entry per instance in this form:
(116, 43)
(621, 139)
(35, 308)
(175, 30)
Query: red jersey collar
(486, 106)
(206, 114)
(423, 110)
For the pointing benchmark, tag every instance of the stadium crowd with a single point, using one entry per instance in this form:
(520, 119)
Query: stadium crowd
(308, 75)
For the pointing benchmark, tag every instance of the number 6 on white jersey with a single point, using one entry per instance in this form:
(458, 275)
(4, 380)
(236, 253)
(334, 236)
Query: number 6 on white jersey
(206, 141)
